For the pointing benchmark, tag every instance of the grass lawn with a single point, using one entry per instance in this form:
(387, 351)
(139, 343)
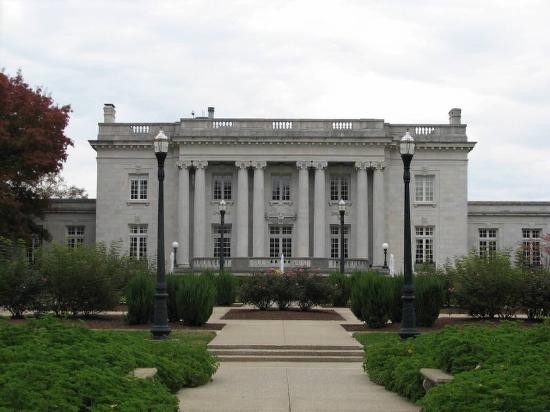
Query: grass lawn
(372, 338)
(48, 365)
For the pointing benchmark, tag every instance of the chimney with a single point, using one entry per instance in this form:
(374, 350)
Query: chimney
(454, 116)
(109, 113)
(210, 112)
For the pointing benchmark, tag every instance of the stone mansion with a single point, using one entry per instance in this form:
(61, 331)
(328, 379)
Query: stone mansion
(282, 180)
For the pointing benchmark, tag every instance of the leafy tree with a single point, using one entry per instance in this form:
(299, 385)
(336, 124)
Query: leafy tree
(32, 145)
(53, 186)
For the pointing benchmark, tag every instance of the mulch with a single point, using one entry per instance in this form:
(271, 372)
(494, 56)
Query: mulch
(275, 314)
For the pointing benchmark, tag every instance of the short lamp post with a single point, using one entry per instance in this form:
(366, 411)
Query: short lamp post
(160, 328)
(223, 206)
(342, 210)
(175, 246)
(408, 324)
(385, 246)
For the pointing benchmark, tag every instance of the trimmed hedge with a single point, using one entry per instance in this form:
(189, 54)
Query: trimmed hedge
(341, 289)
(140, 298)
(371, 298)
(226, 288)
(195, 298)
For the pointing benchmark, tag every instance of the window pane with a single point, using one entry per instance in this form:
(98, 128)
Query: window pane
(143, 191)
(334, 189)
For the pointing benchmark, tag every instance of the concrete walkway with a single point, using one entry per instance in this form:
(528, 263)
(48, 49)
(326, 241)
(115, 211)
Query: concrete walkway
(289, 386)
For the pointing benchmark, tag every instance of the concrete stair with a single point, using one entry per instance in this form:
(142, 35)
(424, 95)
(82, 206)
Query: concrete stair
(287, 353)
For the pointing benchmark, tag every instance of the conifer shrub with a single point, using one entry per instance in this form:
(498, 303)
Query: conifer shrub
(140, 298)
(341, 290)
(172, 284)
(371, 298)
(196, 295)
(429, 296)
(226, 288)
(396, 310)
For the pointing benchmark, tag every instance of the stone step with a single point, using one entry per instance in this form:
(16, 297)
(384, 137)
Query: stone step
(290, 358)
(290, 347)
(285, 352)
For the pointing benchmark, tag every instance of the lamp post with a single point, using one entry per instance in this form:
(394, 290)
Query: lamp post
(160, 328)
(222, 223)
(342, 210)
(385, 247)
(408, 324)
(175, 246)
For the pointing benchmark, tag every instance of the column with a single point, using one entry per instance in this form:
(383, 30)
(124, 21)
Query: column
(361, 229)
(199, 234)
(302, 225)
(378, 216)
(183, 212)
(258, 214)
(319, 223)
(242, 209)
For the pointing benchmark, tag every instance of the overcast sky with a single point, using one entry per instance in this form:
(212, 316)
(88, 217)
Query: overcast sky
(402, 61)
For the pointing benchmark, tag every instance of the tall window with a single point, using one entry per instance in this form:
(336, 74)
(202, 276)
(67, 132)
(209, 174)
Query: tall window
(424, 188)
(339, 187)
(280, 241)
(487, 242)
(335, 241)
(138, 241)
(33, 246)
(424, 244)
(216, 233)
(280, 188)
(138, 187)
(531, 246)
(75, 236)
(222, 187)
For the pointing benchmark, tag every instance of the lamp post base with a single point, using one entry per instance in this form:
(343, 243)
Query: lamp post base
(160, 331)
(406, 333)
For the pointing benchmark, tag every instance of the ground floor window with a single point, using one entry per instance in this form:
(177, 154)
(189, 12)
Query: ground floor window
(280, 241)
(74, 236)
(216, 233)
(424, 244)
(138, 241)
(33, 246)
(487, 242)
(531, 246)
(335, 241)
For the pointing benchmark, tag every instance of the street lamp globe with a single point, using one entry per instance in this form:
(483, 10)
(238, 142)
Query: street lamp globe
(385, 246)
(175, 245)
(342, 205)
(407, 145)
(160, 143)
(222, 206)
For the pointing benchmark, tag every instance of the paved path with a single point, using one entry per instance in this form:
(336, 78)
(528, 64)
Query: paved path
(289, 386)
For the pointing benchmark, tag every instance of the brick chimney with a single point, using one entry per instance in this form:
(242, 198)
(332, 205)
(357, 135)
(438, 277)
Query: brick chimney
(454, 116)
(109, 113)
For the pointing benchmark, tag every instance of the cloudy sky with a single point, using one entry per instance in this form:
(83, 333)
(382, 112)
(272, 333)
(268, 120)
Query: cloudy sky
(403, 61)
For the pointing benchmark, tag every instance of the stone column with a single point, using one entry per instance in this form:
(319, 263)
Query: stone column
(302, 225)
(258, 214)
(242, 209)
(183, 213)
(199, 234)
(319, 222)
(361, 227)
(378, 220)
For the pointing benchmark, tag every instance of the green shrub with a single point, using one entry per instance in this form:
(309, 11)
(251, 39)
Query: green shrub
(226, 288)
(396, 309)
(283, 290)
(140, 298)
(172, 285)
(341, 284)
(371, 298)
(311, 289)
(196, 295)
(535, 298)
(257, 290)
(428, 291)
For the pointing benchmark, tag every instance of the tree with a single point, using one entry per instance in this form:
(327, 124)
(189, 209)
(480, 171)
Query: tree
(32, 145)
(53, 186)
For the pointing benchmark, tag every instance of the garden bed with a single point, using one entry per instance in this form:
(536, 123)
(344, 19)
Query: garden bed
(275, 314)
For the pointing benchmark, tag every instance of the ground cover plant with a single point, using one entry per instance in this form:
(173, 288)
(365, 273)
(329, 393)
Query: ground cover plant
(496, 368)
(48, 365)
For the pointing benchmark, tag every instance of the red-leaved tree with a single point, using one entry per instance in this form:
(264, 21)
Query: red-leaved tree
(32, 144)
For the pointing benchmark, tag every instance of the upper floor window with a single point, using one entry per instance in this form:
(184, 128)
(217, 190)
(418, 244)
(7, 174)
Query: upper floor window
(222, 187)
(424, 188)
(424, 244)
(280, 188)
(531, 246)
(138, 187)
(335, 241)
(75, 236)
(487, 242)
(339, 187)
(138, 241)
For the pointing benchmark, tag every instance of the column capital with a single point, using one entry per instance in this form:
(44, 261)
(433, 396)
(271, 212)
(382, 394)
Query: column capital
(379, 165)
(242, 164)
(184, 164)
(200, 164)
(319, 164)
(258, 164)
(303, 164)
(363, 165)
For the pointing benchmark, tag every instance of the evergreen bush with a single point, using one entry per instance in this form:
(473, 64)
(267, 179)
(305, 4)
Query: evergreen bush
(140, 298)
(396, 310)
(371, 298)
(172, 285)
(196, 295)
(535, 298)
(226, 288)
(341, 289)
(428, 292)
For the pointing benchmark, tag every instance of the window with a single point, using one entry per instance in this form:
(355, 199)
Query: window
(75, 236)
(339, 187)
(280, 241)
(216, 233)
(32, 247)
(424, 244)
(138, 187)
(222, 187)
(487, 242)
(424, 188)
(138, 241)
(280, 188)
(335, 241)
(531, 246)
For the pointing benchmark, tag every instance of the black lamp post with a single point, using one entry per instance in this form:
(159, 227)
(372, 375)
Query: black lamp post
(342, 210)
(222, 223)
(408, 324)
(160, 328)
(385, 247)
(175, 246)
